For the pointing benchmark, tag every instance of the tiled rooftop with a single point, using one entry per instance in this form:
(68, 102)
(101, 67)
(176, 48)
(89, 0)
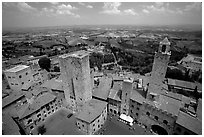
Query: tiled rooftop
(180, 83)
(114, 95)
(15, 95)
(17, 68)
(54, 84)
(38, 103)
(137, 96)
(103, 89)
(189, 122)
(9, 127)
(91, 110)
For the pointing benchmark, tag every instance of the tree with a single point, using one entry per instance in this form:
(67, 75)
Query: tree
(41, 129)
(45, 63)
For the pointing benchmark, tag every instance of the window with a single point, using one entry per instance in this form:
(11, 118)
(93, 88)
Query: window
(16, 84)
(94, 129)
(165, 122)
(20, 76)
(156, 117)
(147, 113)
(31, 127)
(111, 110)
(130, 111)
(12, 84)
(38, 115)
(93, 125)
(115, 112)
(22, 83)
(136, 114)
(29, 121)
(26, 73)
(98, 126)
(9, 77)
(163, 48)
(132, 106)
(83, 125)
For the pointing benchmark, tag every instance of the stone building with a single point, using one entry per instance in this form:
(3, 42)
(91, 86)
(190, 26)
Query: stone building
(127, 88)
(76, 78)
(114, 102)
(92, 117)
(159, 69)
(31, 115)
(18, 76)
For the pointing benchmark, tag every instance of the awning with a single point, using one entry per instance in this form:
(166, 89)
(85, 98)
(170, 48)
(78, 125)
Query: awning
(126, 118)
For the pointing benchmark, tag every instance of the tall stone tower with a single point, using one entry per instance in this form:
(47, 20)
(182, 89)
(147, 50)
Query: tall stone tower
(127, 88)
(75, 72)
(161, 60)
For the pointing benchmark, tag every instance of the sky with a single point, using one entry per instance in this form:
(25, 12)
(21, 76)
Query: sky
(40, 14)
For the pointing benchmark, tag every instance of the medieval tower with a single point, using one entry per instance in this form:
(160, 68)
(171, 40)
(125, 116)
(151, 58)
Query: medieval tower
(161, 60)
(127, 88)
(76, 79)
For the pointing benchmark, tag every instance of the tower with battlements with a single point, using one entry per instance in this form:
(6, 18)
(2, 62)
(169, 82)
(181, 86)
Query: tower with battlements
(161, 60)
(75, 71)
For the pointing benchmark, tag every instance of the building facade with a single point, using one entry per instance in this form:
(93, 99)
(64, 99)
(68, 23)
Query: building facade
(18, 76)
(76, 77)
(92, 117)
(127, 88)
(37, 112)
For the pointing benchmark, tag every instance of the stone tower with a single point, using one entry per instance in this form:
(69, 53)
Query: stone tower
(161, 60)
(127, 88)
(76, 77)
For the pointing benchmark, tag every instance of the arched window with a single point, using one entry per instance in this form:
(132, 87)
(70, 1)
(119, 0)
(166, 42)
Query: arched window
(163, 48)
(156, 117)
(147, 113)
(165, 122)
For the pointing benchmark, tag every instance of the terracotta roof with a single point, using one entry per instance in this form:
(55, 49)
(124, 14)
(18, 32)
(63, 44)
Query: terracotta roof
(11, 98)
(9, 127)
(38, 103)
(189, 122)
(137, 96)
(91, 110)
(114, 95)
(180, 83)
(54, 84)
(169, 104)
(36, 91)
(103, 89)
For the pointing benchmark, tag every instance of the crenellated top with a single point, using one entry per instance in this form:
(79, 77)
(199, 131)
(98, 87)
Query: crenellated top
(164, 46)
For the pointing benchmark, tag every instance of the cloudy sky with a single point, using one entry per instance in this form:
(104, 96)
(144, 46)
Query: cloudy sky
(28, 14)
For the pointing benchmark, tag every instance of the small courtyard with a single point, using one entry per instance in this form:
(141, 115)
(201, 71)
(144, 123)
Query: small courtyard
(60, 124)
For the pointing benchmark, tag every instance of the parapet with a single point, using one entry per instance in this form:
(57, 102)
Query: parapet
(78, 54)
